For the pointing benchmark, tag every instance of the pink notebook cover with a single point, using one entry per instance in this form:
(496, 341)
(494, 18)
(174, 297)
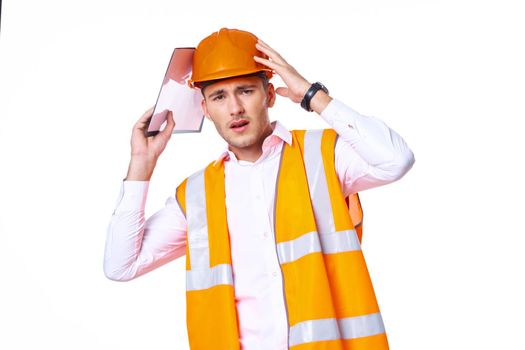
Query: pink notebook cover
(175, 95)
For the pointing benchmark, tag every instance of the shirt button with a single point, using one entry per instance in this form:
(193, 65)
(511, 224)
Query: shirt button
(257, 197)
(265, 235)
(274, 274)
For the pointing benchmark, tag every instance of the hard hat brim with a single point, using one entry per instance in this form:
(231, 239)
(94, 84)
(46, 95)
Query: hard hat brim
(229, 74)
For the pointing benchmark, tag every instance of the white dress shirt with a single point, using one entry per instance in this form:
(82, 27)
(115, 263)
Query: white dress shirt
(367, 154)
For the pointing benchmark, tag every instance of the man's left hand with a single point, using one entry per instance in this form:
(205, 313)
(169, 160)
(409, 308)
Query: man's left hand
(296, 85)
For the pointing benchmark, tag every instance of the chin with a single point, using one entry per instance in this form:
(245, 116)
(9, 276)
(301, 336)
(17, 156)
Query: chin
(242, 141)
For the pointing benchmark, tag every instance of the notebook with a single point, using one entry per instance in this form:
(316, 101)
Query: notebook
(176, 96)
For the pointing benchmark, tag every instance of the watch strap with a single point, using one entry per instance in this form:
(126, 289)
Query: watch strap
(314, 88)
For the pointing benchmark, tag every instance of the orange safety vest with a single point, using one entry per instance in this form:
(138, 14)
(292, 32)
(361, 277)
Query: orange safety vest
(330, 300)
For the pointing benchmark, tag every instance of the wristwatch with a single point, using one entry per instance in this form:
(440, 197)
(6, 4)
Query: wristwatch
(305, 103)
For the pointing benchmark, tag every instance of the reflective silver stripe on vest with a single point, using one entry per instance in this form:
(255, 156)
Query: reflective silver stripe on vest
(297, 248)
(201, 276)
(332, 329)
(336, 242)
(315, 330)
(327, 241)
(361, 326)
(197, 279)
(197, 221)
(313, 161)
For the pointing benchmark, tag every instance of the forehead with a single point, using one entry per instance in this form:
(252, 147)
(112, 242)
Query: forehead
(233, 83)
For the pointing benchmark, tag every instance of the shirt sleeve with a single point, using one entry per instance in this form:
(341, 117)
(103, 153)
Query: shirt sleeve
(135, 246)
(367, 153)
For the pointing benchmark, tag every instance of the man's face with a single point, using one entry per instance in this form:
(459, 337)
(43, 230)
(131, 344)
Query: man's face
(239, 109)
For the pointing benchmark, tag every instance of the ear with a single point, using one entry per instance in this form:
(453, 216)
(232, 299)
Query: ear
(205, 109)
(271, 96)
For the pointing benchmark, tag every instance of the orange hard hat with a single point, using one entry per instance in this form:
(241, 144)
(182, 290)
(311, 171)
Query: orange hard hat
(225, 54)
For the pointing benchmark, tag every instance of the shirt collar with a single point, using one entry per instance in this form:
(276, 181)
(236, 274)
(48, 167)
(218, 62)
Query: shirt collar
(279, 131)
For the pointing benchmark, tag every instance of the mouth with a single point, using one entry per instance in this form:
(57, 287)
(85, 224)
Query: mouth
(239, 125)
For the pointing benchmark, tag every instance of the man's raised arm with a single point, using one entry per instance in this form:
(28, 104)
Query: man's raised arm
(135, 246)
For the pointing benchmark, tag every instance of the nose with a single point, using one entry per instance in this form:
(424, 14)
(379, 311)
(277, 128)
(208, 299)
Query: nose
(236, 106)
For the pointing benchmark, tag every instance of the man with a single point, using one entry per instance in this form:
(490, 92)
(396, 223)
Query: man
(273, 259)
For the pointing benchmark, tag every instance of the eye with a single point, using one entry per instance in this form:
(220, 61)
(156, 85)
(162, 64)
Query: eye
(247, 91)
(218, 98)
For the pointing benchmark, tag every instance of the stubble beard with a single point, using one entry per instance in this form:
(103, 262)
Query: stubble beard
(240, 141)
(244, 141)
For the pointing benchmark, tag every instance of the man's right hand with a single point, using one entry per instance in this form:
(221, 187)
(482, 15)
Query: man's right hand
(146, 150)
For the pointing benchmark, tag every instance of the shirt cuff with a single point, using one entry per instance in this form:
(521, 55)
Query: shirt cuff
(132, 196)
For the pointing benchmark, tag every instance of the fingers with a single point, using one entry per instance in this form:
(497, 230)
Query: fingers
(282, 91)
(148, 113)
(170, 124)
(144, 119)
(296, 85)
(274, 60)
(270, 64)
(266, 49)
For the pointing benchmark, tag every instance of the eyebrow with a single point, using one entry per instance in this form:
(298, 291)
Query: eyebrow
(241, 87)
(247, 86)
(216, 92)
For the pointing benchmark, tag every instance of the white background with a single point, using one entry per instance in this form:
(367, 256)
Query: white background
(444, 244)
